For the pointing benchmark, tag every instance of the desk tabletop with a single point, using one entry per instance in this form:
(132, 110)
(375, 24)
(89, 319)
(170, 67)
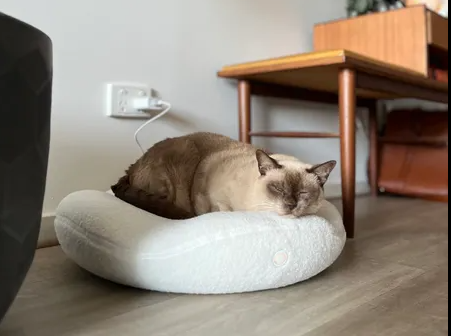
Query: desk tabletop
(319, 71)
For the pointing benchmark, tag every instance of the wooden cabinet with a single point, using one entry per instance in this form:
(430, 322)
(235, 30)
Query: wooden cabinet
(414, 38)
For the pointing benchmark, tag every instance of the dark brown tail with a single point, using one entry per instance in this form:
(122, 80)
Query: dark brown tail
(147, 202)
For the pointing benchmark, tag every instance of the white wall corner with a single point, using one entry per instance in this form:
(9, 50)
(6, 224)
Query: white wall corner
(47, 236)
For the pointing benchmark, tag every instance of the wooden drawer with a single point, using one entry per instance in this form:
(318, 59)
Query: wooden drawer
(414, 38)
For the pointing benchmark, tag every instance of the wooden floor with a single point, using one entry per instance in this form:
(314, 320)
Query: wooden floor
(391, 281)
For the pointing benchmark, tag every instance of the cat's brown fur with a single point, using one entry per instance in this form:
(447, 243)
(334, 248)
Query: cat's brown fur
(148, 202)
(204, 172)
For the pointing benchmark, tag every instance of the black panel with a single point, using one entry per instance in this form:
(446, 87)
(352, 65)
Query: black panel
(25, 104)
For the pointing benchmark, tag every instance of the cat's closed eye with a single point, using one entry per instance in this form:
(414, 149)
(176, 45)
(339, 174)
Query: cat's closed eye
(276, 189)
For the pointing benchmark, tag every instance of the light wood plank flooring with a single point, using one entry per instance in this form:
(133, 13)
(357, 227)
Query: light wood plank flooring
(391, 281)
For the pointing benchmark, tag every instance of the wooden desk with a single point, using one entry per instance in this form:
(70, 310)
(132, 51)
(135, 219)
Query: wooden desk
(341, 77)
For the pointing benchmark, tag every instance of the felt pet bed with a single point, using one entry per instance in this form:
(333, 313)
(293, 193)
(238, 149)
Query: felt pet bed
(217, 253)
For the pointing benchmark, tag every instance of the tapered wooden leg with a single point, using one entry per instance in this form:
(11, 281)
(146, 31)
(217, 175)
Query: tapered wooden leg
(348, 99)
(374, 150)
(244, 111)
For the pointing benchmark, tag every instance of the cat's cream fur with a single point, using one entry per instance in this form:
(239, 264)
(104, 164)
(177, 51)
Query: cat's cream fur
(204, 172)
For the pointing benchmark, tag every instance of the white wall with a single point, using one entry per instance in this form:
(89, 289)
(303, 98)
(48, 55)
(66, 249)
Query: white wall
(176, 46)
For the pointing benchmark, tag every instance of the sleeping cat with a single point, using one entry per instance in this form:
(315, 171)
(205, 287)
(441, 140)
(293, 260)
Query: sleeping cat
(200, 173)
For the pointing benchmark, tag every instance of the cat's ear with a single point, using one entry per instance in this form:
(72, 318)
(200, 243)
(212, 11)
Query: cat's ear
(323, 171)
(266, 163)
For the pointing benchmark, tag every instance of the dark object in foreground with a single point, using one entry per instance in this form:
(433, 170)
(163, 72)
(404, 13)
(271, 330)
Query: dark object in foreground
(144, 201)
(25, 100)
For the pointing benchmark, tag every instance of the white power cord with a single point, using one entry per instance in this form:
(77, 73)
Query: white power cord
(147, 105)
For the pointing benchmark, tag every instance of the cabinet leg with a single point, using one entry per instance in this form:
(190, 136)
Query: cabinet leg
(244, 111)
(374, 150)
(348, 102)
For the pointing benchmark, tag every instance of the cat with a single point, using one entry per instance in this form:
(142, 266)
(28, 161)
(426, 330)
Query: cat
(188, 176)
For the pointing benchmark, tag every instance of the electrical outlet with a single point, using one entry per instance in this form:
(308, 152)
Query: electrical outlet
(120, 98)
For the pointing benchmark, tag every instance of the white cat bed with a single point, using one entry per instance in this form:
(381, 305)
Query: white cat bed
(213, 254)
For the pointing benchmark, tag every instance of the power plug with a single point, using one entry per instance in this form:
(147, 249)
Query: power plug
(127, 100)
(147, 104)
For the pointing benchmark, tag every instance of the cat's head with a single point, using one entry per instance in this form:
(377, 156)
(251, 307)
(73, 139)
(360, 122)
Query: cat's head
(290, 187)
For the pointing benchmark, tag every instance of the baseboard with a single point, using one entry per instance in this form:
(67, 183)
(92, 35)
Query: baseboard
(333, 190)
(47, 237)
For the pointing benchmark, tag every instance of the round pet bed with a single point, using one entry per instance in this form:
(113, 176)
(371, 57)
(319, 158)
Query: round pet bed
(217, 253)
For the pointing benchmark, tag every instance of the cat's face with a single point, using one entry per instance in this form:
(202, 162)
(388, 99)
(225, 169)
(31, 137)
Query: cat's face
(291, 188)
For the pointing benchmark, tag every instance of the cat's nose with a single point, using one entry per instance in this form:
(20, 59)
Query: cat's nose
(291, 206)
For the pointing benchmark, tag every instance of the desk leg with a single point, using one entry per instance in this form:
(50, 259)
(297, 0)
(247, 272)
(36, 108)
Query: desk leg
(348, 104)
(374, 150)
(244, 110)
